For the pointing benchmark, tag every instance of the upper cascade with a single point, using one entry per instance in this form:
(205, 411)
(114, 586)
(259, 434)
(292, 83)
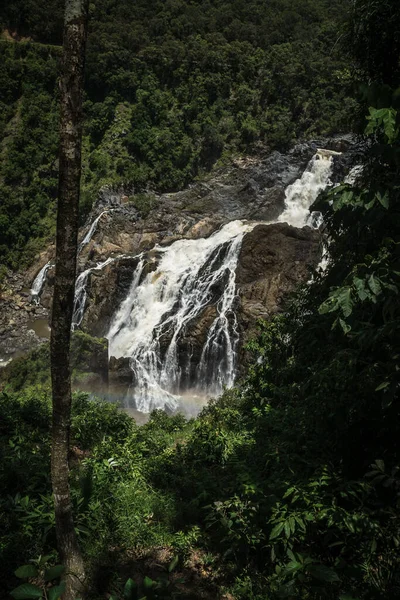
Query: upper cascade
(38, 283)
(300, 196)
(40, 279)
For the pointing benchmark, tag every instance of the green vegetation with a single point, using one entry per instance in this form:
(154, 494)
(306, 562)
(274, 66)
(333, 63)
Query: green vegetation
(89, 356)
(288, 485)
(171, 87)
(144, 203)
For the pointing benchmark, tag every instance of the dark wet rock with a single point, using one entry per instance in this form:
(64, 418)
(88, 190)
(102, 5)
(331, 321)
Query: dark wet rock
(191, 344)
(89, 355)
(120, 375)
(273, 260)
(16, 314)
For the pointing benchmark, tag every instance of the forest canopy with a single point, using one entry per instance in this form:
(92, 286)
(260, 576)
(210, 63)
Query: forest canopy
(171, 89)
(288, 485)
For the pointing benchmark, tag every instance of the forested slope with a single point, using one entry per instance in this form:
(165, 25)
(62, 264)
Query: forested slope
(171, 88)
(287, 486)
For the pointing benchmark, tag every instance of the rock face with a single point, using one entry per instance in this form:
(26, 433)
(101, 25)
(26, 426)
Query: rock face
(89, 360)
(273, 260)
(18, 319)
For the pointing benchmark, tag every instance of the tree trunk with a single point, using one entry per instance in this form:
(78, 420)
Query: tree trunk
(71, 84)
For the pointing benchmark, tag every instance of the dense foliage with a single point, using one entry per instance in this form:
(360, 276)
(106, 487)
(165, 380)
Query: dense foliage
(171, 87)
(287, 486)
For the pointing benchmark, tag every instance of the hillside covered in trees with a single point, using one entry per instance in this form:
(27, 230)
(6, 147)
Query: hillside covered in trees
(288, 485)
(171, 89)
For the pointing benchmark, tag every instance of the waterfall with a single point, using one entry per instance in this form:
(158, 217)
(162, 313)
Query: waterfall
(194, 280)
(81, 292)
(37, 285)
(92, 230)
(190, 276)
(123, 314)
(304, 191)
(40, 279)
(175, 289)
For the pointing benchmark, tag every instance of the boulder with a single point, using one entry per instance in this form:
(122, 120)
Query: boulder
(89, 361)
(273, 260)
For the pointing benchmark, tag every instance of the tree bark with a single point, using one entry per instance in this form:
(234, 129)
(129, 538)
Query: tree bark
(71, 84)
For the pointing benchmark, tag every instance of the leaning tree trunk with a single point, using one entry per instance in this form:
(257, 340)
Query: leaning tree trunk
(75, 28)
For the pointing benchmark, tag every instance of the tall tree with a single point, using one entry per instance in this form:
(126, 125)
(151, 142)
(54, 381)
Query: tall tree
(75, 30)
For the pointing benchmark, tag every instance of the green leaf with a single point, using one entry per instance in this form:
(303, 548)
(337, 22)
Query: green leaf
(26, 571)
(323, 573)
(289, 492)
(346, 597)
(300, 522)
(291, 555)
(292, 524)
(384, 200)
(44, 559)
(26, 591)
(276, 531)
(148, 583)
(345, 326)
(173, 564)
(382, 386)
(345, 302)
(287, 529)
(293, 566)
(130, 590)
(360, 287)
(370, 204)
(374, 285)
(56, 592)
(54, 572)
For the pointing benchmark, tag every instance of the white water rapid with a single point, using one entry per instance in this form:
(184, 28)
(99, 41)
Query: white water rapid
(190, 276)
(81, 292)
(304, 191)
(92, 230)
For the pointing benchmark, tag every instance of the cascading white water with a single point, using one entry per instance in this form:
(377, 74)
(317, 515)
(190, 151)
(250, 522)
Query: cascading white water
(190, 275)
(39, 281)
(304, 191)
(37, 285)
(123, 314)
(160, 307)
(81, 292)
(92, 230)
